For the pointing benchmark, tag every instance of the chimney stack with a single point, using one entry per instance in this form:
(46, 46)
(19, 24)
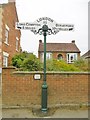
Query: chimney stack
(9, 1)
(73, 41)
(40, 41)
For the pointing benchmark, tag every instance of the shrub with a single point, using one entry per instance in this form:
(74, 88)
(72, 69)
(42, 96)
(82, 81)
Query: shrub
(82, 64)
(26, 61)
(31, 64)
(60, 65)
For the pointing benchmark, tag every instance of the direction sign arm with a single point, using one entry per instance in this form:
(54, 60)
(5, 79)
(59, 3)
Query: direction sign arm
(18, 27)
(70, 29)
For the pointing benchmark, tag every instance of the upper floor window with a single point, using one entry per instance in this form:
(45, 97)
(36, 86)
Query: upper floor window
(6, 34)
(17, 43)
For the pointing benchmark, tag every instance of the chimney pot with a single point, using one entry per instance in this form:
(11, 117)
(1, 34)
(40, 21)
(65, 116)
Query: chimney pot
(40, 41)
(73, 41)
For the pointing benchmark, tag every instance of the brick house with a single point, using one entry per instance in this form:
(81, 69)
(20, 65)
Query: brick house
(9, 36)
(66, 51)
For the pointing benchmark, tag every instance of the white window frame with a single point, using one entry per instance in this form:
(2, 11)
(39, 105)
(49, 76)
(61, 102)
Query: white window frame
(42, 56)
(5, 59)
(17, 43)
(69, 55)
(6, 35)
(48, 56)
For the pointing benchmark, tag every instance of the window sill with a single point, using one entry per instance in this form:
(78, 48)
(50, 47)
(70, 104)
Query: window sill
(17, 50)
(6, 43)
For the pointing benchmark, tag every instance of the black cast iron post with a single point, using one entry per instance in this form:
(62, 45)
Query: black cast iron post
(44, 85)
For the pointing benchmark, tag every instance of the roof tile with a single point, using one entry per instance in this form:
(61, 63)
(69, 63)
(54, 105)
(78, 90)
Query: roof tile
(61, 47)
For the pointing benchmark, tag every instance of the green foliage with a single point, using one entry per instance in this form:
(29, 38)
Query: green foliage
(82, 64)
(26, 61)
(19, 58)
(60, 65)
(31, 64)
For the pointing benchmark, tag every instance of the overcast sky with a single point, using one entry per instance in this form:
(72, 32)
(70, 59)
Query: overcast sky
(62, 11)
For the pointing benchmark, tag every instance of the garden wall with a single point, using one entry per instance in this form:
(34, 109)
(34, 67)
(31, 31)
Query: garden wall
(21, 89)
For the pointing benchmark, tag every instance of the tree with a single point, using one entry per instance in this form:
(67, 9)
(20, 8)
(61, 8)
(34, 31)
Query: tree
(26, 61)
(31, 64)
(19, 58)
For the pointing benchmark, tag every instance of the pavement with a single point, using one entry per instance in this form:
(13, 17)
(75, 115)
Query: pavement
(37, 113)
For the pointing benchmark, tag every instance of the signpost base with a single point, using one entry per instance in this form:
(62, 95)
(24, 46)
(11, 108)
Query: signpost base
(44, 97)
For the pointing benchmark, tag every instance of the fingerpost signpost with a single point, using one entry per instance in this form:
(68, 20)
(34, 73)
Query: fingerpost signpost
(44, 26)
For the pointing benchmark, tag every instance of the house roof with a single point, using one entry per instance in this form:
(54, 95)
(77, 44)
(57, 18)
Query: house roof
(86, 55)
(59, 47)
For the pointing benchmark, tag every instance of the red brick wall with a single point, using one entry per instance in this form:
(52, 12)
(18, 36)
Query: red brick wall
(55, 55)
(63, 88)
(9, 18)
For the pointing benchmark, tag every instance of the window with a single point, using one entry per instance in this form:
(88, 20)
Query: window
(41, 57)
(60, 57)
(5, 59)
(71, 57)
(6, 34)
(17, 44)
(48, 56)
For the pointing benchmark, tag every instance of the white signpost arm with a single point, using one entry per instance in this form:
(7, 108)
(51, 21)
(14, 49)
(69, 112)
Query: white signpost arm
(52, 25)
